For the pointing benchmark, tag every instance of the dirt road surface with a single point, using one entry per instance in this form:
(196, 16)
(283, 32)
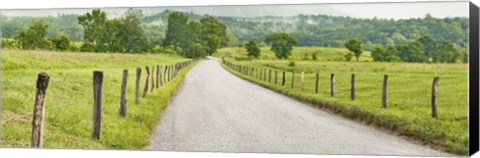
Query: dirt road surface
(215, 110)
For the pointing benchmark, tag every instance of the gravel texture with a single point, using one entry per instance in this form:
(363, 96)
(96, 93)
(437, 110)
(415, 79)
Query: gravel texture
(215, 110)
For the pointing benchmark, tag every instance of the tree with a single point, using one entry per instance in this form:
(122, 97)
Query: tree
(378, 53)
(33, 37)
(93, 25)
(131, 33)
(354, 45)
(176, 29)
(252, 49)
(282, 44)
(61, 43)
(214, 33)
(412, 52)
(385, 54)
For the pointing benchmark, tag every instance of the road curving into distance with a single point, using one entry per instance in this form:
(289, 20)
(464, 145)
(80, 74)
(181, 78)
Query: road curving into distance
(215, 110)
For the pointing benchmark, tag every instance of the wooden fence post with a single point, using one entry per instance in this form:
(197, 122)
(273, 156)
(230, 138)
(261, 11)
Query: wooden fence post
(332, 84)
(293, 78)
(434, 97)
(145, 90)
(39, 110)
(137, 85)
(265, 74)
(158, 75)
(269, 75)
(283, 78)
(260, 77)
(352, 89)
(97, 103)
(302, 80)
(123, 98)
(153, 78)
(316, 83)
(165, 74)
(276, 75)
(384, 91)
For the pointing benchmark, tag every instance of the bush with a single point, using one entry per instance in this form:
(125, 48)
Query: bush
(195, 50)
(348, 56)
(314, 56)
(61, 43)
(8, 44)
(291, 63)
(87, 47)
(160, 49)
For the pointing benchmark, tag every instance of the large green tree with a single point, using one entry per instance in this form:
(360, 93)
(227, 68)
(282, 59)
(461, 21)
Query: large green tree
(93, 24)
(176, 29)
(214, 33)
(412, 52)
(33, 37)
(354, 45)
(282, 44)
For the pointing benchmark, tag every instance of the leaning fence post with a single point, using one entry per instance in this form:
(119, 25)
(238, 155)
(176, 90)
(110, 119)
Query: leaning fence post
(97, 103)
(123, 97)
(283, 78)
(316, 83)
(153, 78)
(384, 91)
(434, 96)
(352, 89)
(332, 84)
(165, 74)
(137, 85)
(39, 110)
(276, 76)
(145, 90)
(302, 80)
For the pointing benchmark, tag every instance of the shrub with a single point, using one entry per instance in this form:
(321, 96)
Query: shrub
(291, 63)
(348, 56)
(314, 56)
(87, 47)
(61, 43)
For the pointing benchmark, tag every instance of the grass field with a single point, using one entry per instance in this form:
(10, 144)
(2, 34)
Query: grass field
(409, 92)
(69, 98)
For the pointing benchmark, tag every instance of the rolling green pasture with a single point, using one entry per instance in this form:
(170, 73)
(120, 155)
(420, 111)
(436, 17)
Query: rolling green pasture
(69, 98)
(409, 92)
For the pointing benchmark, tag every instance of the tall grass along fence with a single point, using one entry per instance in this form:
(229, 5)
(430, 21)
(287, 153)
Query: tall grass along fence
(153, 78)
(248, 70)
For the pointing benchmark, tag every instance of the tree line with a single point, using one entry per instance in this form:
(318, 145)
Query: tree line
(125, 34)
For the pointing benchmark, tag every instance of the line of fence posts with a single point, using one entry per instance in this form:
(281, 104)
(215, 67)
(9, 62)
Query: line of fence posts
(332, 84)
(98, 80)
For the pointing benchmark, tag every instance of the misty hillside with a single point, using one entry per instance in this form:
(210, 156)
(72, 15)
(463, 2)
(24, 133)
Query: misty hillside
(311, 30)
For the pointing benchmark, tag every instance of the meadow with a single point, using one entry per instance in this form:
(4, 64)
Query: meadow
(408, 111)
(69, 98)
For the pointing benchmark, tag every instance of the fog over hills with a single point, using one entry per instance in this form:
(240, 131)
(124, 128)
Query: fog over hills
(356, 10)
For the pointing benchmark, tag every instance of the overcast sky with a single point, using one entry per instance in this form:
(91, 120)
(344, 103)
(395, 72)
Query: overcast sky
(359, 10)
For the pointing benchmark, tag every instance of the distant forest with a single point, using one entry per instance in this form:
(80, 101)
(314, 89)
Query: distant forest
(310, 30)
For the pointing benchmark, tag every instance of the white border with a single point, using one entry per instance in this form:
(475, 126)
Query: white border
(77, 153)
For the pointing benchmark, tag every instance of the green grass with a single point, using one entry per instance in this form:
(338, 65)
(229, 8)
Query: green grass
(69, 99)
(409, 93)
(298, 53)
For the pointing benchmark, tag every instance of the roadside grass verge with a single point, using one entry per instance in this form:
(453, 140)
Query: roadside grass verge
(69, 98)
(409, 93)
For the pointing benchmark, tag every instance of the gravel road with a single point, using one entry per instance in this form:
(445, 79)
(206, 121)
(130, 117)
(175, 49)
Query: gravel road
(215, 110)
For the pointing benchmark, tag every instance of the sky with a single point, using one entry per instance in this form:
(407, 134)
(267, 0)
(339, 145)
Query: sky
(358, 10)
